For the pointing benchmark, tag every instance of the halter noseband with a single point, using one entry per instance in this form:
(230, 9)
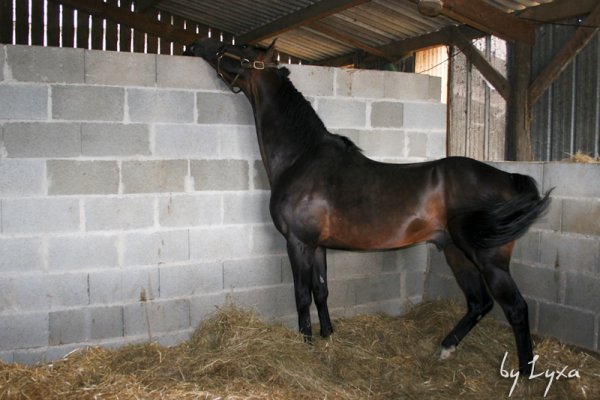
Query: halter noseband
(244, 64)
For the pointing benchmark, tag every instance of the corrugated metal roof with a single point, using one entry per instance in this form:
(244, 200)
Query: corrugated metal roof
(375, 23)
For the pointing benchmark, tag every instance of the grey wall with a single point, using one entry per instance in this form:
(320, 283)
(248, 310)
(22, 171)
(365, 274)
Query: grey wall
(133, 201)
(557, 263)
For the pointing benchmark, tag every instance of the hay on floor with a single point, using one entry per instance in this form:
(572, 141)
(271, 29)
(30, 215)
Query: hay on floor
(234, 355)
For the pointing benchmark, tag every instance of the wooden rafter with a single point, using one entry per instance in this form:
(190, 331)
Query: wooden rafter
(145, 5)
(558, 10)
(565, 55)
(335, 34)
(307, 15)
(487, 18)
(494, 77)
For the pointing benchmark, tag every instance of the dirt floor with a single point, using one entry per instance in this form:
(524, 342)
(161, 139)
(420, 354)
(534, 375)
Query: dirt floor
(234, 355)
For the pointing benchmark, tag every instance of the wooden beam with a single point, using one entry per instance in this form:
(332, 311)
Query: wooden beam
(309, 14)
(558, 10)
(144, 5)
(142, 22)
(401, 48)
(335, 34)
(494, 77)
(565, 55)
(490, 19)
(518, 113)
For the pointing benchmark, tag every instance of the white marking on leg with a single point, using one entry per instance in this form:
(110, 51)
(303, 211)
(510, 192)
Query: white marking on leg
(447, 352)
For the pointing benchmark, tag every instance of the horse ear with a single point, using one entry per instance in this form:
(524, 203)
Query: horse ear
(271, 52)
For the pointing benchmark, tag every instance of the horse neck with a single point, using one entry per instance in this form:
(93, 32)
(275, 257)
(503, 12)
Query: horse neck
(286, 124)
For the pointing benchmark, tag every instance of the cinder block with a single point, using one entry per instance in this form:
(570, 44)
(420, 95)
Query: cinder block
(411, 87)
(570, 253)
(342, 113)
(122, 69)
(268, 302)
(381, 144)
(130, 284)
(413, 258)
(378, 287)
(45, 64)
(541, 283)
(187, 73)
(111, 213)
(67, 290)
(150, 318)
(266, 240)
(246, 208)
(88, 103)
(2, 64)
(438, 264)
(312, 80)
(220, 243)
(190, 210)
(34, 357)
(578, 177)
(259, 177)
(154, 176)
(106, 322)
(424, 116)
(238, 142)
(25, 292)
(583, 292)
(155, 105)
(346, 264)
(156, 248)
(252, 272)
(417, 144)
(220, 174)
(387, 114)
(533, 169)
(441, 287)
(7, 357)
(580, 216)
(414, 284)
(69, 326)
(342, 292)
(359, 83)
(82, 252)
(190, 280)
(82, 177)
(223, 108)
(23, 330)
(100, 139)
(40, 215)
(21, 177)
(27, 140)
(202, 307)
(436, 145)
(186, 140)
(24, 101)
(20, 254)
(568, 324)
(553, 218)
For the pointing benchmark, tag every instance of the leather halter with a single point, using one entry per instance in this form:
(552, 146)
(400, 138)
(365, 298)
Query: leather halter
(244, 64)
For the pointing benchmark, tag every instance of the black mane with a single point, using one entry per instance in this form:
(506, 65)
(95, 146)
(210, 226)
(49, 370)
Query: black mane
(301, 117)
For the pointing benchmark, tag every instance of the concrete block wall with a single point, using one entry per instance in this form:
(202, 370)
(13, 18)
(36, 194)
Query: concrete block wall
(133, 201)
(557, 263)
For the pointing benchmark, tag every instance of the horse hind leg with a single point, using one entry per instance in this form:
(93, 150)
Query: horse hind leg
(479, 302)
(320, 290)
(301, 259)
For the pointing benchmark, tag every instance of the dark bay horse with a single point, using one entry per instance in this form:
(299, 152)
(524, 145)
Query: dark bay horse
(326, 194)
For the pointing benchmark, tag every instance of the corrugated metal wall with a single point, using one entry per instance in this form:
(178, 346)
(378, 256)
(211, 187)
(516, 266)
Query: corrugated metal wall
(566, 119)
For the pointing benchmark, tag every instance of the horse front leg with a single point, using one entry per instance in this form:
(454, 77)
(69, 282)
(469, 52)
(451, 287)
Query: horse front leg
(320, 290)
(301, 258)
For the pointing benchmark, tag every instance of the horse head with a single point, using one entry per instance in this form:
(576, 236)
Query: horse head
(236, 65)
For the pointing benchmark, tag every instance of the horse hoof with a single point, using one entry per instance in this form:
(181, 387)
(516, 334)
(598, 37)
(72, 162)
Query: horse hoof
(447, 352)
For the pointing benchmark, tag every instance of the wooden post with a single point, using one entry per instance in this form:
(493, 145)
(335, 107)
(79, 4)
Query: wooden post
(518, 127)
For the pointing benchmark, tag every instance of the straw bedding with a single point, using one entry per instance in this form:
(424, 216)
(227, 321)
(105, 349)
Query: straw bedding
(234, 355)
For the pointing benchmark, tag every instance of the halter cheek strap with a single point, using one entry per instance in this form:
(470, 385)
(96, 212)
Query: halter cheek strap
(244, 64)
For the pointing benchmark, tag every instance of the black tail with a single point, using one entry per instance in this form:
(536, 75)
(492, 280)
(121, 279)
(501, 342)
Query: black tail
(497, 222)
